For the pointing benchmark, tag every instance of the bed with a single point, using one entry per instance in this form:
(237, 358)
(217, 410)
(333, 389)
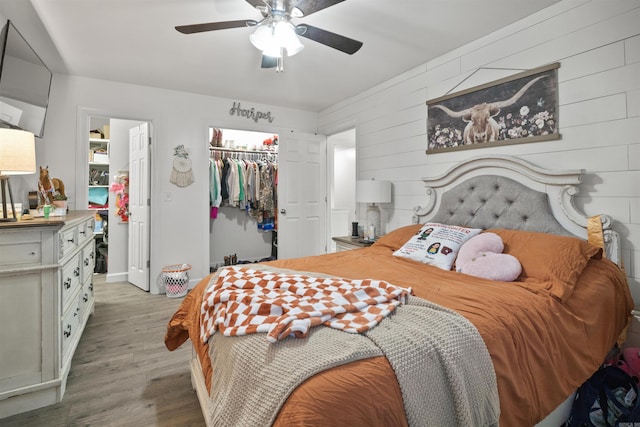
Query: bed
(544, 333)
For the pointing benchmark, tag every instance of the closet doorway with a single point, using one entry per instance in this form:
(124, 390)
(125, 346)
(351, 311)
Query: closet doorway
(112, 145)
(301, 202)
(243, 208)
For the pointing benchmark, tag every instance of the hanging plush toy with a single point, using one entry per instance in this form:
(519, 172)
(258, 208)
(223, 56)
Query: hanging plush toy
(181, 175)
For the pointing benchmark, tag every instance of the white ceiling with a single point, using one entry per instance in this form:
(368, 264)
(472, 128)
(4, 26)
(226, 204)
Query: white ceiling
(134, 41)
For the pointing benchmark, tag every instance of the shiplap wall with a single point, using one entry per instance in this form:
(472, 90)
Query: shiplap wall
(598, 46)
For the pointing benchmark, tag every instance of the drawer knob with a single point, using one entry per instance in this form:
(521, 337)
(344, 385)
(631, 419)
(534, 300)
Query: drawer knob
(32, 253)
(86, 262)
(71, 240)
(83, 232)
(67, 331)
(85, 298)
(76, 271)
(67, 283)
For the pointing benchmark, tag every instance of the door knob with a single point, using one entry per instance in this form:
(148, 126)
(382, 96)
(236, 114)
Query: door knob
(283, 211)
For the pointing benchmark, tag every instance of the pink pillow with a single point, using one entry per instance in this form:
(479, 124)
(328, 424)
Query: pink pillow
(482, 256)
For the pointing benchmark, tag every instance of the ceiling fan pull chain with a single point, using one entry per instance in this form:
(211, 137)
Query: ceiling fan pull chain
(280, 66)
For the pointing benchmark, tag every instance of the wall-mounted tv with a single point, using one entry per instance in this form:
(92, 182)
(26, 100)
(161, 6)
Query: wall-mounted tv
(25, 82)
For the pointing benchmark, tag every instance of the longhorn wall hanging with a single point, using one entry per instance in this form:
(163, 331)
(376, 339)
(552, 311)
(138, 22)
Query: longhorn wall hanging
(516, 109)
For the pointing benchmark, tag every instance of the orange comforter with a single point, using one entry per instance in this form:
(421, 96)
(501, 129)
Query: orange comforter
(542, 349)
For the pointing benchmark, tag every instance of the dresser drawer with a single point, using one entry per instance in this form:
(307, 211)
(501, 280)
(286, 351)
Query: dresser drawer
(70, 328)
(70, 280)
(21, 251)
(85, 230)
(86, 297)
(88, 261)
(68, 241)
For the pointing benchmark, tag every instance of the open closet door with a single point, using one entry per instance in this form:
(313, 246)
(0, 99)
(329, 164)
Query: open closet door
(139, 206)
(302, 189)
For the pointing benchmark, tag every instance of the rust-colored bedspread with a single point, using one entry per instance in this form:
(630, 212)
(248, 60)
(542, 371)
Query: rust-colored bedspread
(542, 349)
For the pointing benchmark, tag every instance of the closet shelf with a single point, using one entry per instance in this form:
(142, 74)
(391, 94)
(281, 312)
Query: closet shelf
(238, 150)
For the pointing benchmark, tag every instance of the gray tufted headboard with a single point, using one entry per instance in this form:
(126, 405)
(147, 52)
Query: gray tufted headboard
(492, 201)
(508, 192)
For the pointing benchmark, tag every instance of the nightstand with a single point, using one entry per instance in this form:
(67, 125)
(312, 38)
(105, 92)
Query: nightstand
(348, 243)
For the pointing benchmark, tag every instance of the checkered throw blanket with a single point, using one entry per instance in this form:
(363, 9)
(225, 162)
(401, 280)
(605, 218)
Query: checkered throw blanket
(246, 301)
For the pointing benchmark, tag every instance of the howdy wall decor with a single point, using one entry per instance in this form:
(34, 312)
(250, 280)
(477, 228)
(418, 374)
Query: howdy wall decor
(516, 109)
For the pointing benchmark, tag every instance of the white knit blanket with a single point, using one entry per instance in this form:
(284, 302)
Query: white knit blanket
(441, 363)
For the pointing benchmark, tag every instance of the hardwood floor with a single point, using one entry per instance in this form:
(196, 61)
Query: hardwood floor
(122, 374)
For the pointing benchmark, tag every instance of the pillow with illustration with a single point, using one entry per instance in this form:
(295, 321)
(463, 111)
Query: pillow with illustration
(436, 244)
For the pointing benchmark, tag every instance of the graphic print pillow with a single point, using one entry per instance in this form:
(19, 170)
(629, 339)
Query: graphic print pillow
(436, 244)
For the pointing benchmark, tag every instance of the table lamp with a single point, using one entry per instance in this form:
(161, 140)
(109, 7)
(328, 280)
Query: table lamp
(17, 157)
(373, 191)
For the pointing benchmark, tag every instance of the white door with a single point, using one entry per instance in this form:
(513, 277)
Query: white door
(139, 206)
(302, 190)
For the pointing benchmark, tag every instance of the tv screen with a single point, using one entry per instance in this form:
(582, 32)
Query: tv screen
(25, 82)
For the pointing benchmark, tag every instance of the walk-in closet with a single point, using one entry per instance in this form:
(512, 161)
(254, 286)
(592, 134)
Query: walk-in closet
(243, 201)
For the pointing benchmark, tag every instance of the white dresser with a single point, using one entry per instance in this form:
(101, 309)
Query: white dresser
(46, 297)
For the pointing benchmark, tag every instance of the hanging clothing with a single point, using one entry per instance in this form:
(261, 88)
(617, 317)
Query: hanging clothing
(246, 180)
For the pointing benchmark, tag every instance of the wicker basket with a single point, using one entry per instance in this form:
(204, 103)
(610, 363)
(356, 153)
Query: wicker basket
(175, 278)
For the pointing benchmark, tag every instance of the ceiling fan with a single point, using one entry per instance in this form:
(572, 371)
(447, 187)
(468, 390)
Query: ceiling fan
(276, 35)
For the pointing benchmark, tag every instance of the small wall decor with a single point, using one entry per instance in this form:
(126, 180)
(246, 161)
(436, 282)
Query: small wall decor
(181, 175)
(516, 109)
(120, 187)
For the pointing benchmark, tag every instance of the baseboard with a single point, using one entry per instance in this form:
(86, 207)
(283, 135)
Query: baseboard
(117, 277)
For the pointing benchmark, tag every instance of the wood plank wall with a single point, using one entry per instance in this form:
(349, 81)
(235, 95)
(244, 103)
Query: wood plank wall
(598, 46)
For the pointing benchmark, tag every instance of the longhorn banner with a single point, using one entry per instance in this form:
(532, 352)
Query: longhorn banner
(516, 109)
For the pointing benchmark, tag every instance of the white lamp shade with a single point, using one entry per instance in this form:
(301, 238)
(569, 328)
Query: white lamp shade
(373, 191)
(262, 37)
(17, 152)
(285, 36)
(271, 37)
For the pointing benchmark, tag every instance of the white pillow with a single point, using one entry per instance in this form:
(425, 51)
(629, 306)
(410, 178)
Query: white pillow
(436, 244)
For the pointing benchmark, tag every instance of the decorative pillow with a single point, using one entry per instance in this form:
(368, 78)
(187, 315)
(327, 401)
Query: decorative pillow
(436, 244)
(482, 256)
(557, 261)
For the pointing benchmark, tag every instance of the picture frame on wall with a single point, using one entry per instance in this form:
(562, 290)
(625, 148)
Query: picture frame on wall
(517, 109)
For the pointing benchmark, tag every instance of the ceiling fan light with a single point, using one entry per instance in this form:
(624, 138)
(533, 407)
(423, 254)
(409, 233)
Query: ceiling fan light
(262, 38)
(285, 35)
(292, 50)
(274, 52)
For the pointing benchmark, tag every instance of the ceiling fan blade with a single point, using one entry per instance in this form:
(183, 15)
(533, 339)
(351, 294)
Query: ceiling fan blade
(212, 26)
(328, 38)
(307, 7)
(269, 61)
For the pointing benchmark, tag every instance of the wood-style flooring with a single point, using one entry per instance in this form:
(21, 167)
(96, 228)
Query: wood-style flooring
(122, 374)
